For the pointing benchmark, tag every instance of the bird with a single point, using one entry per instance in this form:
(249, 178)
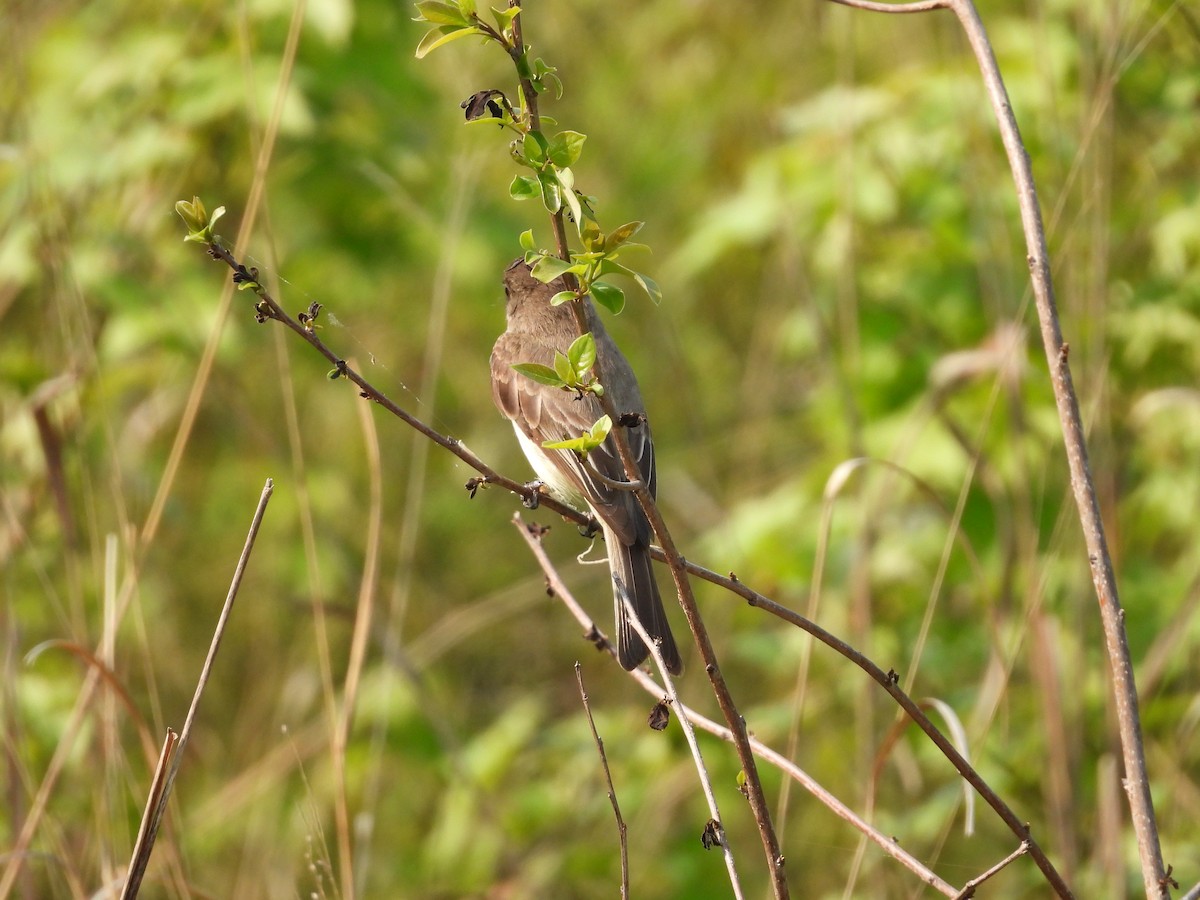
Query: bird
(544, 413)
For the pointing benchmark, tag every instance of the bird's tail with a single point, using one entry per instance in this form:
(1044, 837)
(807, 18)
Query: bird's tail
(632, 572)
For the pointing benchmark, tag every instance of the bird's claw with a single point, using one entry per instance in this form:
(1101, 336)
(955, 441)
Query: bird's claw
(533, 499)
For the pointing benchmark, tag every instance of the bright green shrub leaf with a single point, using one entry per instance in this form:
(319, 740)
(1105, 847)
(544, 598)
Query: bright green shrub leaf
(533, 145)
(566, 180)
(621, 235)
(578, 444)
(442, 35)
(548, 268)
(562, 366)
(504, 17)
(565, 148)
(551, 192)
(609, 296)
(649, 285)
(592, 236)
(437, 12)
(645, 282)
(585, 442)
(539, 373)
(582, 353)
(543, 76)
(525, 187)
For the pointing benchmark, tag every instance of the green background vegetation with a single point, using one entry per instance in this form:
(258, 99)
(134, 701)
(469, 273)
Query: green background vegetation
(836, 237)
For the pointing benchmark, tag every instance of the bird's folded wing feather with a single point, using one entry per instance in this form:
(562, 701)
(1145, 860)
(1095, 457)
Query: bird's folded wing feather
(545, 413)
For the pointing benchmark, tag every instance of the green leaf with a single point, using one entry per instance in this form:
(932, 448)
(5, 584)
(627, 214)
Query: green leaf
(562, 297)
(566, 179)
(645, 282)
(438, 12)
(621, 235)
(543, 76)
(650, 286)
(193, 213)
(592, 236)
(524, 70)
(556, 81)
(582, 353)
(579, 445)
(525, 187)
(443, 34)
(548, 268)
(609, 296)
(467, 7)
(565, 148)
(526, 239)
(539, 373)
(562, 366)
(551, 192)
(534, 147)
(589, 440)
(504, 18)
(197, 219)
(610, 266)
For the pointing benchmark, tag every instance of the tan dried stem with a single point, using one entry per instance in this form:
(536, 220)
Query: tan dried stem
(1112, 616)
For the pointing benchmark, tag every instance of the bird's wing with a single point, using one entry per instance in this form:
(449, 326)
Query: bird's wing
(544, 413)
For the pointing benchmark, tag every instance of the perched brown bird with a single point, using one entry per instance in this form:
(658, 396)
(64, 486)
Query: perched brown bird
(542, 413)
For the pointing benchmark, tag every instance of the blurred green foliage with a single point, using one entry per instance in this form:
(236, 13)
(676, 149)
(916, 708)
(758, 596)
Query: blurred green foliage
(836, 237)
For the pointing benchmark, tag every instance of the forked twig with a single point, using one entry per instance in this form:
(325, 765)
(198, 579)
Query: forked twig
(968, 890)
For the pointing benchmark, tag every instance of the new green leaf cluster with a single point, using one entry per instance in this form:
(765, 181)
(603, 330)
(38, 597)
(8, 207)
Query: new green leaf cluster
(459, 19)
(571, 372)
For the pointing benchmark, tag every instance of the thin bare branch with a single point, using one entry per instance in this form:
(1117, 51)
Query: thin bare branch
(1112, 616)
(871, 6)
(269, 308)
(622, 830)
(969, 888)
